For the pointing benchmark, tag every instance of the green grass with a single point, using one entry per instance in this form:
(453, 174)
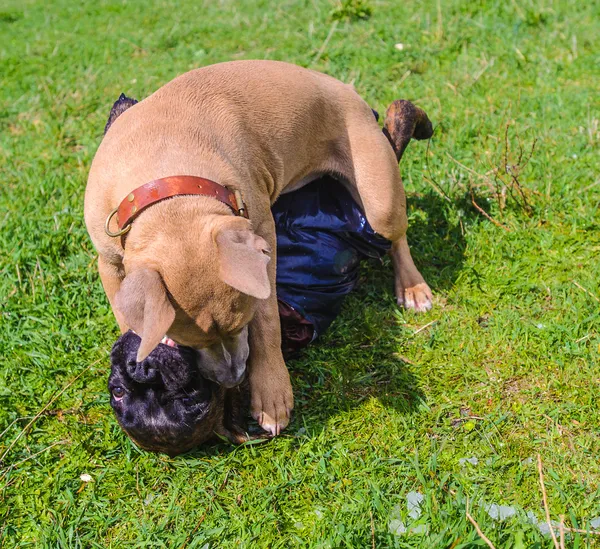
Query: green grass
(505, 367)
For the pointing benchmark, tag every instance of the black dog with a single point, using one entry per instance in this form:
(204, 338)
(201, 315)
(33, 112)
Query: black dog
(163, 403)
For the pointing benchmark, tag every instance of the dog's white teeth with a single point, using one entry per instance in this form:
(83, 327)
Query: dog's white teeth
(168, 341)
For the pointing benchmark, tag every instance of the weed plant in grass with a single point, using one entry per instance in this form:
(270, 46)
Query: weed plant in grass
(400, 417)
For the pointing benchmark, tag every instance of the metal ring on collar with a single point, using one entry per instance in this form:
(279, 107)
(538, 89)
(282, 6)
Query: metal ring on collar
(121, 232)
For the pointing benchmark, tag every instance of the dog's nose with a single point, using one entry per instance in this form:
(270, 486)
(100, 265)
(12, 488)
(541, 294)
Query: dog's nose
(142, 372)
(231, 377)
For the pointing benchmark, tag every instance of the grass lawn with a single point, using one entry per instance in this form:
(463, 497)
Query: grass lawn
(402, 420)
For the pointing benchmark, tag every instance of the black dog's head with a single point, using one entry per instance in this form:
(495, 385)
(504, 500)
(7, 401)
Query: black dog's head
(164, 404)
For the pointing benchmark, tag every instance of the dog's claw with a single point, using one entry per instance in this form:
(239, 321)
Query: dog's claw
(418, 298)
(271, 408)
(271, 425)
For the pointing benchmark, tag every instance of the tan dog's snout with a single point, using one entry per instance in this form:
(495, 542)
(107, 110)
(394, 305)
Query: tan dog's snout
(225, 362)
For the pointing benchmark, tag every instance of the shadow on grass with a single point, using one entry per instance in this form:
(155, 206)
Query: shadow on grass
(358, 358)
(436, 236)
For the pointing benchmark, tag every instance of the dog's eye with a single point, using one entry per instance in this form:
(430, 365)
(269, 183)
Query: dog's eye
(187, 401)
(118, 393)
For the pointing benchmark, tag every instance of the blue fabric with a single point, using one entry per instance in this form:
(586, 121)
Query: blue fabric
(322, 236)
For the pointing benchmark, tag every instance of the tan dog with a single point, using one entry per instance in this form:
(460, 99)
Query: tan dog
(190, 268)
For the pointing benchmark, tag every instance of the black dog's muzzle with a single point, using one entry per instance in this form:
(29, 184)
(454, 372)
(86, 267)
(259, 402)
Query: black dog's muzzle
(143, 372)
(171, 367)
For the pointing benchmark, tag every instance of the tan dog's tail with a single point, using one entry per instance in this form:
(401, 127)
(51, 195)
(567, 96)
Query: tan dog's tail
(404, 121)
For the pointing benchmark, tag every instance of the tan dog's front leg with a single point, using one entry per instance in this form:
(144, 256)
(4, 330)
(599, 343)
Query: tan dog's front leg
(272, 399)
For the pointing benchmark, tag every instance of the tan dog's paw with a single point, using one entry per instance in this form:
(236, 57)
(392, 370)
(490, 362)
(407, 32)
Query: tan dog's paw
(418, 298)
(272, 403)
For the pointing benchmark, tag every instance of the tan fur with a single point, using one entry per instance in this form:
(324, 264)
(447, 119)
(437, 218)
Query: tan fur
(262, 127)
(142, 299)
(244, 248)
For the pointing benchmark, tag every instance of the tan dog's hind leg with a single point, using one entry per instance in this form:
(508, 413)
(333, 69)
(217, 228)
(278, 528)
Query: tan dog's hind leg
(111, 281)
(380, 188)
(412, 292)
(272, 399)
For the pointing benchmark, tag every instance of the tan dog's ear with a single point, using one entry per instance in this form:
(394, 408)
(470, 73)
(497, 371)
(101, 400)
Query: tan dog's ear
(142, 299)
(243, 258)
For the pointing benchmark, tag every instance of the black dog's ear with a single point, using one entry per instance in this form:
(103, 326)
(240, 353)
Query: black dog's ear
(118, 108)
(125, 349)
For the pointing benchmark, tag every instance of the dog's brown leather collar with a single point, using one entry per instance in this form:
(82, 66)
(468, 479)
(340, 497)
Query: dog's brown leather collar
(167, 187)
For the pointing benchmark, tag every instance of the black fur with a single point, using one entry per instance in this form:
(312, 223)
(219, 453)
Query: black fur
(118, 108)
(166, 405)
